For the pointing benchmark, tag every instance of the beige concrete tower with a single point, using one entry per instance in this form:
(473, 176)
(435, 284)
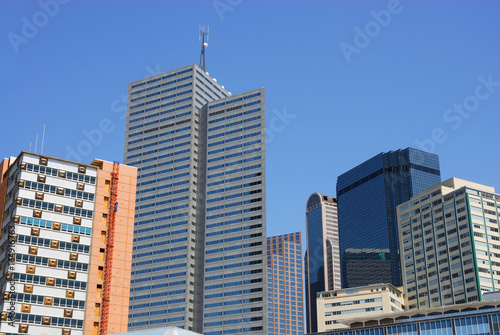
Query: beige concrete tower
(450, 244)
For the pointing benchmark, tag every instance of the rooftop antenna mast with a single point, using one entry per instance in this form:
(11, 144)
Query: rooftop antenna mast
(204, 44)
(36, 141)
(43, 138)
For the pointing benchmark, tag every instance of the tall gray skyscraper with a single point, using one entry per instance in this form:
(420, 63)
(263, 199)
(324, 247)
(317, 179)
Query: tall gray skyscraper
(200, 231)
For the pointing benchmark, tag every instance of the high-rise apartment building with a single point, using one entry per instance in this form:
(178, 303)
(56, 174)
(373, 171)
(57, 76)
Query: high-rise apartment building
(322, 259)
(450, 244)
(199, 259)
(368, 195)
(284, 285)
(365, 266)
(65, 245)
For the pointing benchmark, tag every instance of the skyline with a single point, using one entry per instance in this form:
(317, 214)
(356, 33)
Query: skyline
(425, 59)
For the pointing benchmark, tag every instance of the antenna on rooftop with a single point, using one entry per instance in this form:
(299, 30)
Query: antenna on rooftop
(36, 141)
(204, 44)
(43, 138)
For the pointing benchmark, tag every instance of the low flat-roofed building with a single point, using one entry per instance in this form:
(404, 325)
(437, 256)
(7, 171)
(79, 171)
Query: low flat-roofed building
(463, 319)
(162, 331)
(334, 307)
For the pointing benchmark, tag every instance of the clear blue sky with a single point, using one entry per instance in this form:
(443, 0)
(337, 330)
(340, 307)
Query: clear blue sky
(355, 86)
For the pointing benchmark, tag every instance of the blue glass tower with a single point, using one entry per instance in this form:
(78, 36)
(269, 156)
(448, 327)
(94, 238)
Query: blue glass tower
(367, 197)
(322, 259)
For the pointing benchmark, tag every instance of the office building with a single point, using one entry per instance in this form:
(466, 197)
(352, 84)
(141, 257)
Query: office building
(284, 285)
(368, 195)
(66, 245)
(334, 307)
(465, 319)
(199, 259)
(322, 260)
(365, 266)
(450, 244)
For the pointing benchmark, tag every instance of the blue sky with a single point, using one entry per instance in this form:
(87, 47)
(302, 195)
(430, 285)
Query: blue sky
(345, 80)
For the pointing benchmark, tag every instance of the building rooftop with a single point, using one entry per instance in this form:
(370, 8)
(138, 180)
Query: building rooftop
(452, 184)
(360, 289)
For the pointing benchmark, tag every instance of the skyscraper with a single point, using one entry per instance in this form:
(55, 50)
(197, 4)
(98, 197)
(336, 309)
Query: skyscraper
(200, 233)
(66, 245)
(368, 195)
(322, 260)
(284, 285)
(449, 244)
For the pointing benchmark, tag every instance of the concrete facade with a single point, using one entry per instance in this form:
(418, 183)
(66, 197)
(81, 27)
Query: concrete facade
(121, 261)
(450, 244)
(334, 307)
(199, 240)
(52, 242)
(464, 319)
